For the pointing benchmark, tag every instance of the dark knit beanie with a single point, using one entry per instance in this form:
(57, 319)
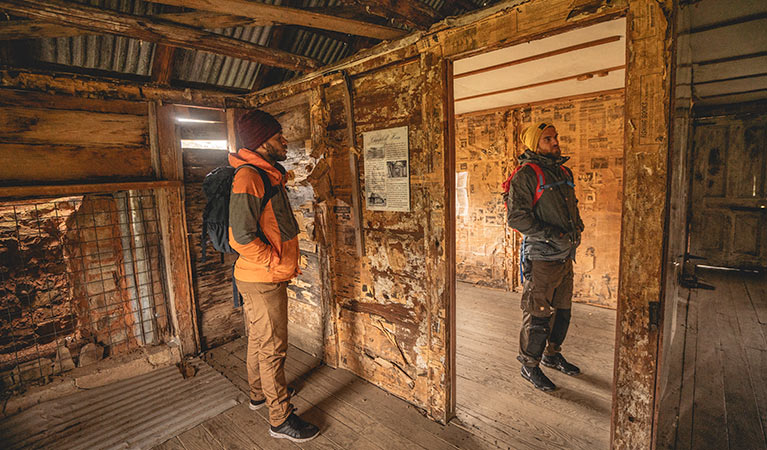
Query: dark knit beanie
(256, 127)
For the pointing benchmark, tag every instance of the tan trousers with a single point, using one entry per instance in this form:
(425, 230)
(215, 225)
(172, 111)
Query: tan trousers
(266, 315)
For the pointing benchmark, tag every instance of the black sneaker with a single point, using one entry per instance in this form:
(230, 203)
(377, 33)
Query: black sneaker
(560, 363)
(536, 376)
(295, 429)
(258, 404)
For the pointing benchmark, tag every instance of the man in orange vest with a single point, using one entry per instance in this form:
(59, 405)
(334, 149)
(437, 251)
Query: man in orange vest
(541, 205)
(264, 231)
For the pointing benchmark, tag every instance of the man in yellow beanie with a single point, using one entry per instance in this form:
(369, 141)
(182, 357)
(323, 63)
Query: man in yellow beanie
(541, 204)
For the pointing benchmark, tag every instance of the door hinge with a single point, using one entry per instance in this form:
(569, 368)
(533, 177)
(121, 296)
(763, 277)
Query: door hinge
(654, 315)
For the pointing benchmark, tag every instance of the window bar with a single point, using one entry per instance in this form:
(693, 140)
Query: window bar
(59, 356)
(129, 264)
(13, 328)
(48, 289)
(147, 298)
(101, 272)
(78, 221)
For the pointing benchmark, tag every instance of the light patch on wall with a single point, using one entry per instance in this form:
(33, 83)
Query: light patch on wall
(204, 144)
(461, 194)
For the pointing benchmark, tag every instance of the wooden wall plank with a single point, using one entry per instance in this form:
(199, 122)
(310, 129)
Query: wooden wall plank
(73, 189)
(16, 98)
(38, 125)
(177, 268)
(45, 163)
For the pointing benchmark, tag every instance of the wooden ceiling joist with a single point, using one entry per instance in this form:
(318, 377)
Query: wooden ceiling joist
(411, 13)
(37, 29)
(153, 30)
(290, 16)
(105, 89)
(162, 63)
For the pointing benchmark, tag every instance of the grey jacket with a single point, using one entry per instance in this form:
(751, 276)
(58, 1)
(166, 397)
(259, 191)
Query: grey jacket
(552, 228)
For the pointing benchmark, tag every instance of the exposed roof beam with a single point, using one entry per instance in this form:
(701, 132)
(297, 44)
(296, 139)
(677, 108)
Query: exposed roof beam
(94, 87)
(290, 16)
(412, 13)
(37, 29)
(162, 63)
(153, 30)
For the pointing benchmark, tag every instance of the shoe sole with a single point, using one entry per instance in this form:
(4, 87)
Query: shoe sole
(291, 438)
(544, 389)
(555, 367)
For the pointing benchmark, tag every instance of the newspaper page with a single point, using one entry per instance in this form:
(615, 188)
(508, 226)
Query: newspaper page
(387, 170)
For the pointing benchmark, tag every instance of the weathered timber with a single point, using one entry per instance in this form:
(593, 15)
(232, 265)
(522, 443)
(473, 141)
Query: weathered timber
(73, 189)
(178, 273)
(354, 165)
(449, 133)
(38, 29)
(56, 163)
(416, 15)
(290, 16)
(102, 89)
(162, 63)
(16, 98)
(394, 312)
(38, 125)
(648, 92)
(154, 30)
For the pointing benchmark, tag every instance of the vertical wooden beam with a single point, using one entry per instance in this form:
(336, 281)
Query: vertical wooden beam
(354, 165)
(450, 244)
(648, 96)
(162, 63)
(232, 139)
(171, 162)
(170, 202)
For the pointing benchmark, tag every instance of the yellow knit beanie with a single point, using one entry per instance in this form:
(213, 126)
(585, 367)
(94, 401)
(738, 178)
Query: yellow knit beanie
(532, 134)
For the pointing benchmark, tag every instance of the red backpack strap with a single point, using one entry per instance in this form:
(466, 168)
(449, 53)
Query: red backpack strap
(541, 182)
(507, 183)
(539, 175)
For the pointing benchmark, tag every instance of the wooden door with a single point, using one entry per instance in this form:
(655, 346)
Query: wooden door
(729, 191)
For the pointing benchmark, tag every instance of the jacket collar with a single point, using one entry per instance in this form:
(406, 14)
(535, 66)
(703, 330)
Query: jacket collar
(276, 172)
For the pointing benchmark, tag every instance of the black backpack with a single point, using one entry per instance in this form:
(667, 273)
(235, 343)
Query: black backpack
(217, 187)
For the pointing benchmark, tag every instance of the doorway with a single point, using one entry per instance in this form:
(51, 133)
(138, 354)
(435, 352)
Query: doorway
(574, 80)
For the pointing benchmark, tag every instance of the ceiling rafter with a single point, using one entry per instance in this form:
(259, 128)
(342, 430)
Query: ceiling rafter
(290, 16)
(38, 29)
(162, 63)
(412, 13)
(153, 30)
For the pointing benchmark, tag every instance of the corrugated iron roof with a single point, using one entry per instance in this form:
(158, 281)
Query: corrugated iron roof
(132, 57)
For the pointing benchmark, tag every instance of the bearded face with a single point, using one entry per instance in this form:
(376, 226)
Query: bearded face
(276, 147)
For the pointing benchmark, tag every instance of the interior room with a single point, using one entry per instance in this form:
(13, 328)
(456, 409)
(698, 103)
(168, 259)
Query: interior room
(574, 80)
(401, 119)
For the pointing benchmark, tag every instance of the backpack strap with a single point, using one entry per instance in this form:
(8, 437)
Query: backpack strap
(538, 174)
(269, 192)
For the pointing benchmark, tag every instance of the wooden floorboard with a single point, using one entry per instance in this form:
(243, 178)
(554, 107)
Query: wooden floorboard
(744, 428)
(722, 401)
(495, 402)
(198, 438)
(683, 438)
(351, 413)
